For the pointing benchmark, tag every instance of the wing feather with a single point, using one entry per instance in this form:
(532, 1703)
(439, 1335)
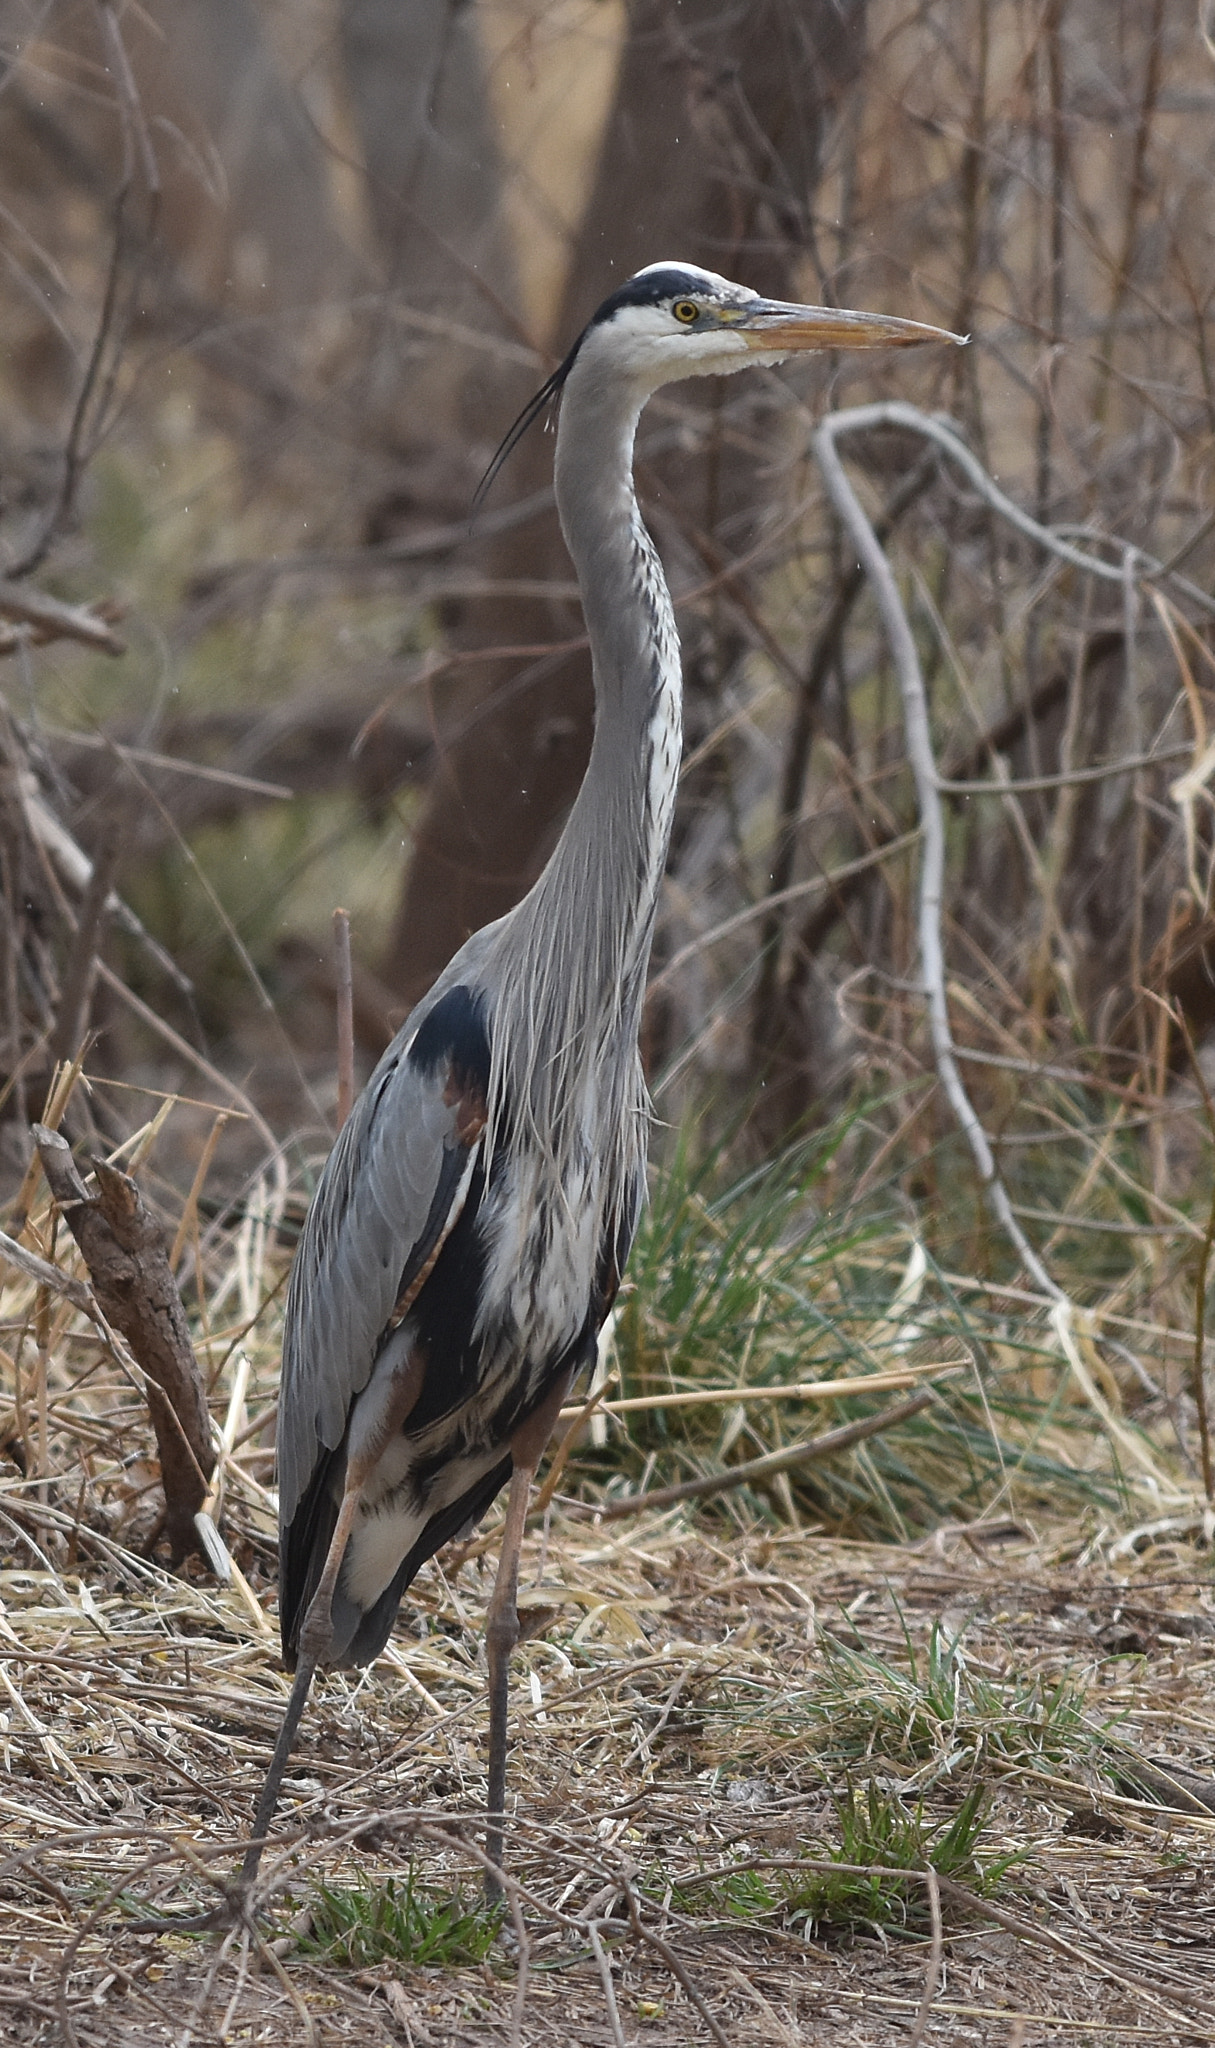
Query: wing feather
(391, 1188)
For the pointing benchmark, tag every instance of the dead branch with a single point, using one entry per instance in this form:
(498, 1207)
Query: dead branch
(365, 742)
(43, 1272)
(770, 1464)
(171, 764)
(805, 718)
(863, 419)
(124, 1250)
(906, 659)
(50, 619)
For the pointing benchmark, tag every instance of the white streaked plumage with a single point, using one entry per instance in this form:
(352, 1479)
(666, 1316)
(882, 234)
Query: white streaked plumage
(471, 1225)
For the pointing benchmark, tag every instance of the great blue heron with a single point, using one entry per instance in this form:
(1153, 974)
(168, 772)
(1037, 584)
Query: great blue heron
(471, 1226)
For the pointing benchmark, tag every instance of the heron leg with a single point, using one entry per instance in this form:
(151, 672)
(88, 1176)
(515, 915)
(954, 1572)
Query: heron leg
(386, 1412)
(501, 1635)
(502, 1619)
(316, 1641)
(272, 1784)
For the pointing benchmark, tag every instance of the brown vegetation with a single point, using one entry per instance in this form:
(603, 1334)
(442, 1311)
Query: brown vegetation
(279, 273)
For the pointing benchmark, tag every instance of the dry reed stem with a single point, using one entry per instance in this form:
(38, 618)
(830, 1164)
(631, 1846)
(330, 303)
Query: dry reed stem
(556, 1836)
(769, 1466)
(800, 1390)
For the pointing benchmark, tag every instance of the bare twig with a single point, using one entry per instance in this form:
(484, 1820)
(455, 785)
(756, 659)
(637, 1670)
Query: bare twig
(932, 1975)
(44, 1273)
(796, 1390)
(770, 1464)
(171, 764)
(924, 768)
(669, 1957)
(797, 753)
(863, 419)
(604, 1967)
(124, 1249)
(932, 871)
(51, 619)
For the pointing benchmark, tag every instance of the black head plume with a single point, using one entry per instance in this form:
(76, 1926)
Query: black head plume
(650, 287)
(548, 392)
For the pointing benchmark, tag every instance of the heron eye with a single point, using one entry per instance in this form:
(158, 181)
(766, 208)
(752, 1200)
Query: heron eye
(684, 310)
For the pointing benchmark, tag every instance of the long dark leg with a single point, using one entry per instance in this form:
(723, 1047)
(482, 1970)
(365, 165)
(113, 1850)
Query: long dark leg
(501, 1635)
(316, 1642)
(502, 1620)
(267, 1804)
(375, 1424)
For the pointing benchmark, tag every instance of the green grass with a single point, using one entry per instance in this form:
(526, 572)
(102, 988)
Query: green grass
(940, 1707)
(930, 1716)
(395, 1921)
(877, 1829)
(775, 1276)
(853, 1886)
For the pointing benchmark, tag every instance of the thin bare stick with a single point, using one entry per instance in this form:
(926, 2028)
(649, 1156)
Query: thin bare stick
(604, 1967)
(806, 715)
(44, 1273)
(674, 1965)
(344, 974)
(920, 754)
(171, 764)
(51, 619)
(863, 419)
(798, 1390)
(769, 1465)
(575, 1417)
(814, 885)
(905, 656)
(932, 1975)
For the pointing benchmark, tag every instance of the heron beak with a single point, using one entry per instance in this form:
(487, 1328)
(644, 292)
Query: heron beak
(769, 325)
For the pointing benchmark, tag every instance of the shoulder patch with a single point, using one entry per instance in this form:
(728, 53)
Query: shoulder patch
(453, 1042)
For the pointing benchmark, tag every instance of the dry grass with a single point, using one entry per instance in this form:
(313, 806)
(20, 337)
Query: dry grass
(1036, 1625)
(652, 1755)
(698, 1698)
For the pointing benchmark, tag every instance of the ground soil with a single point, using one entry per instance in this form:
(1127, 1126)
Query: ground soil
(664, 1729)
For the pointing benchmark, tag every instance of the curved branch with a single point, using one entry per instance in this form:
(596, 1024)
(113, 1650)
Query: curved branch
(932, 427)
(1063, 1314)
(928, 795)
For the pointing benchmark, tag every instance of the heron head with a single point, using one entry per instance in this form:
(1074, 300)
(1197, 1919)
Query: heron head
(675, 320)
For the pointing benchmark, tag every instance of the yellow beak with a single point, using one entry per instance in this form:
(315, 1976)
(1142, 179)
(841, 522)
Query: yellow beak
(771, 325)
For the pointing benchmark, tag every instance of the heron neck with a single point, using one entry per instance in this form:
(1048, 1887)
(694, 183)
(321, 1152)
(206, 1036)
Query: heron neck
(565, 1052)
(620, 823)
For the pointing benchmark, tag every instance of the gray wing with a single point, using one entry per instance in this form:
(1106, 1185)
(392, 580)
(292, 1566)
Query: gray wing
(392, 1186)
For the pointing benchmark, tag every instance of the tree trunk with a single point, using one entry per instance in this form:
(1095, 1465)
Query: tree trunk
(710, 156)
